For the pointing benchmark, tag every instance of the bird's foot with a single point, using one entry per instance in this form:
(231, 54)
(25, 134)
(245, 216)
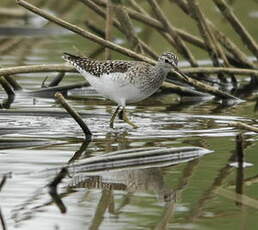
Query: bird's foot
(126, 119)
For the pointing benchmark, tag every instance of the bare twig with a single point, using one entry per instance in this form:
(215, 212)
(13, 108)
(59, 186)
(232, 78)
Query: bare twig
(108, 27)
(127, 27)
(116, 23)
(205, 31)
(136, 6)
(83, 33)
(69, 68)
(150, 21)
(37, 69)
(13, 13)
(179, 44)
(230, 46)
(237, 26)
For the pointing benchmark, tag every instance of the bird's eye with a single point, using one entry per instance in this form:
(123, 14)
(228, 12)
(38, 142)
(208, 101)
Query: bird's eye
(166, 61)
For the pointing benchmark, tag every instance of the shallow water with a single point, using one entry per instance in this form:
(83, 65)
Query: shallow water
(36, 134)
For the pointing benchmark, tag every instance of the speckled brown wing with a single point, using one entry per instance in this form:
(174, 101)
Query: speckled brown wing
(97, 68)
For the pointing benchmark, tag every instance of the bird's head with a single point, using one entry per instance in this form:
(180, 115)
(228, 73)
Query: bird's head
(168, 61)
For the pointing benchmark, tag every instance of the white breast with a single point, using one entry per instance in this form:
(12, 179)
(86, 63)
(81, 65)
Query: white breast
(115, 87)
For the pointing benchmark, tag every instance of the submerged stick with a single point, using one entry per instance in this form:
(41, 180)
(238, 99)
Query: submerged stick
(57, 79)
(242, 125)
(16, 86)
(74, 114)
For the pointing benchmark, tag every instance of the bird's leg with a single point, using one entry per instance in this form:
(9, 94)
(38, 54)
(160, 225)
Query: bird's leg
(120, 115)
(111, 123)
(125, 118)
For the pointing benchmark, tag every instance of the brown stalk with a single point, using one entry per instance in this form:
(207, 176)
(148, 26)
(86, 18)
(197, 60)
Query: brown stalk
(205, 31)
(116, 23)
(69, 68)
(221, 37)
(83, 33)
(237, 26)
(147, 20)
(108, 27)
(128, 28)
(179, 44)
(136, 6)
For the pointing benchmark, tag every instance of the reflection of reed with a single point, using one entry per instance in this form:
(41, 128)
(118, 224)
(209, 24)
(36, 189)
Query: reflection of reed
(52, 190)
(2, 220)
(174, 196)
(104, 203)
(240, 162)
(77, 155)
(224, 172)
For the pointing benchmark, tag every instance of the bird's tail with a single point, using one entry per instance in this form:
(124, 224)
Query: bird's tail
(69, 57)
(78, 62)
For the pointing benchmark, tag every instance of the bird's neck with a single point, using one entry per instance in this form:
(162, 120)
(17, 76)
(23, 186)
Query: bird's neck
(161, 70)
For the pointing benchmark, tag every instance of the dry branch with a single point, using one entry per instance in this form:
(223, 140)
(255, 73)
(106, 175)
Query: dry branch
(179, 44)
(237, 26)
(117, 24)
(229, 45)
(147, 20)
(108, 27)
(44, 68)
(83, 33)
(36, 69)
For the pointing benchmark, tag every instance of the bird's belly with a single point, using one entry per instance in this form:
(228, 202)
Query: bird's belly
(120, 91)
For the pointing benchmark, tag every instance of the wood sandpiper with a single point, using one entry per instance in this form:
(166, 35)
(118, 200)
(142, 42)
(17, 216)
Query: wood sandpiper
(124, 81)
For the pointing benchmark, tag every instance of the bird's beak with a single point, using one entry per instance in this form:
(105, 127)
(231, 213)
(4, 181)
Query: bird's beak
(179, 72)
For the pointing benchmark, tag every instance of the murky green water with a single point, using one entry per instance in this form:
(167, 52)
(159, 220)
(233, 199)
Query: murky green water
(191, 195)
